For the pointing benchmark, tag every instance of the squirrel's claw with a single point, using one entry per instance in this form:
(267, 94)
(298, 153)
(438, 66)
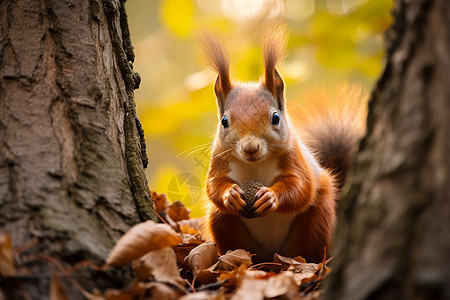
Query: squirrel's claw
(233, 200)
(267, 201)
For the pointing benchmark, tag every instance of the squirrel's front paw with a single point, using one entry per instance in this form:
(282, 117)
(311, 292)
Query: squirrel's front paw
(232, 199)
(267, 201)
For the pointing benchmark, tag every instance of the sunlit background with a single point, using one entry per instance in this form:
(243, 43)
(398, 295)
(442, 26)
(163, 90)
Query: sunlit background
(331, 41)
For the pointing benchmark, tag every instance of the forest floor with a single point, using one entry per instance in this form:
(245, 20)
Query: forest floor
(172, 260)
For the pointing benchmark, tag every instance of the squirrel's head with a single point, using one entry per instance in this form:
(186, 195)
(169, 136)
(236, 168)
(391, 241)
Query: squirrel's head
(252, 118)
(252, 123)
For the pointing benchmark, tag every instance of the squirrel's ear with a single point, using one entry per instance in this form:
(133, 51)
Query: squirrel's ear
(222, 88)
(274, 52)
(274, 83)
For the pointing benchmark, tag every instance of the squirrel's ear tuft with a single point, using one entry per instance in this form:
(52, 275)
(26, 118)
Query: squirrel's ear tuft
(217, 57)
(274, 52)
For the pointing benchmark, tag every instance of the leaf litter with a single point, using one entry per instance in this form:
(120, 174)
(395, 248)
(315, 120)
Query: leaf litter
(171, 260)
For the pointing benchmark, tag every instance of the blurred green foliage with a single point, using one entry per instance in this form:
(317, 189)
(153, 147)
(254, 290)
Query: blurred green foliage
(331, 41)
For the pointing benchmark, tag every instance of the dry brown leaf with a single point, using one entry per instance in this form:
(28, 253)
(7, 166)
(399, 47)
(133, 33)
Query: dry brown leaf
(178, 211)
(322, 269)
(182, 250)
(189, 238)
(302, 278)
(281, 284)
(7, 267)
(196, 223)
(161, 265)
(278, 286)
(300, 259)
(203, 296)
(233, 259)
(189, 234)
(160, 202)
(258, 274)
(57, 292)
(202, 257)
(299, 267)
(187, 229)
(147, 290)
(250, 289)
(207, 276)
(141, 239)
(314, 295)
(160, 291)
(321, 272)
(232, 279)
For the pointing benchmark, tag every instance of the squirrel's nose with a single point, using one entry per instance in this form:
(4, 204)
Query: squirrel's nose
(250, 148)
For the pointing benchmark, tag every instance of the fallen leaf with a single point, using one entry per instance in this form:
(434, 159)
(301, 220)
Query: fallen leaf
(161, 265)
(281, 284)
(182, 250)
(189, 238)
(187, 229)
(322, 269)
(207, 276)
(141, 239)
(189, 234)
(7, 267)
(321, 272)
(202, 257)
(250, 289)
(151, 290)
(203, 296)
(160, 202)
(232, 279)
(314, 295)
(178, 211)
(303, 278)
(300, 259)
(233, 259)
(57, 292)
(196, 223)
(160, 291)
(258, 274)
(299, 267)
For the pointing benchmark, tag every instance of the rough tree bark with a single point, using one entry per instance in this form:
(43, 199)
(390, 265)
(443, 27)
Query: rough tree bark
(392, 238)
(71, 161)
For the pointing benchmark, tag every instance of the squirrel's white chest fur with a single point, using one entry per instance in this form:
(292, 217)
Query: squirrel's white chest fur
(265, 171)
(272, 229)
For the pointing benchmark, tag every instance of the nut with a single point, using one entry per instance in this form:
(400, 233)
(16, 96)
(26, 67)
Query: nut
(250, 188)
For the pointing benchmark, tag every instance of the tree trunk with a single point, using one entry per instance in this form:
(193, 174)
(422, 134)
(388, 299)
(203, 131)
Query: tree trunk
(392, 238)
(71, 161)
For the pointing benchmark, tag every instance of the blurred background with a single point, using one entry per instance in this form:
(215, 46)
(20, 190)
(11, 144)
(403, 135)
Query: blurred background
(331, 42)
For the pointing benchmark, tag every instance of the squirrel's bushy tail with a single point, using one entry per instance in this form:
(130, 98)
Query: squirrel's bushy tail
(332, 124)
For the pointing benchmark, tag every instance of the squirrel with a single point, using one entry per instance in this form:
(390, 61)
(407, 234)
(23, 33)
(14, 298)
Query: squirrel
(296, 207)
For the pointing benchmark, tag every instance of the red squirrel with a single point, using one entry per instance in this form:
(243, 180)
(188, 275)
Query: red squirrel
(255, 140)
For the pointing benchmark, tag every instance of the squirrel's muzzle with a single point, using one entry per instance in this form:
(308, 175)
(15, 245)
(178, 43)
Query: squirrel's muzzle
(251, 148)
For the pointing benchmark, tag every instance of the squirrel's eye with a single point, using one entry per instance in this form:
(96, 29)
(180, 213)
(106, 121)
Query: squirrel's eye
(224, 122)
(275, 118)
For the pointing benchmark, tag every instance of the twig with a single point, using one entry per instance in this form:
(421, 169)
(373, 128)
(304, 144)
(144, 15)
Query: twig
(257, 266)
(26, 246)
(191, 285)
(88, 263)
(161, 218)
(211, 287)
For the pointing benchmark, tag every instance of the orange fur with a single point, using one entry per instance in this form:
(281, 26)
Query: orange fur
(332, 122)
(297, 205)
